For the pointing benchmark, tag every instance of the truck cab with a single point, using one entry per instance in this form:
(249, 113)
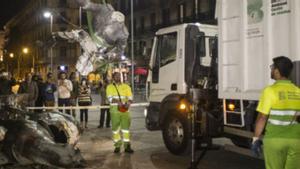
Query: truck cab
(183, 58)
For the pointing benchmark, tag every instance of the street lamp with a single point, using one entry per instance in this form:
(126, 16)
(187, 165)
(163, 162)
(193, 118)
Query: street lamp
(132, 46)
(24, 51)
(11, 55)
(48, 14)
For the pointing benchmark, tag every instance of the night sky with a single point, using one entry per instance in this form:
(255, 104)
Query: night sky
(8, 9)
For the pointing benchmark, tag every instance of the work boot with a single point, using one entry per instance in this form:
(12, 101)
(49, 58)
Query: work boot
(117, 150)
(128, 149)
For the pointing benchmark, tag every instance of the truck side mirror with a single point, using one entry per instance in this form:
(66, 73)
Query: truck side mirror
(200, 46)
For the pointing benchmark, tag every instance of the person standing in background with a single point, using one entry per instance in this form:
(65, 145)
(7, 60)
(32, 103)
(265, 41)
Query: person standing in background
(104, 102)
(29, 87)
(6, 83)
(84, 99)
(48, 91)
(40, 84)
(74, 92)
(64, 91)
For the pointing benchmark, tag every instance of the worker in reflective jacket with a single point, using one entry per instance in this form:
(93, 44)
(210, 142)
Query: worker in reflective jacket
(120, 97)
(279, 111)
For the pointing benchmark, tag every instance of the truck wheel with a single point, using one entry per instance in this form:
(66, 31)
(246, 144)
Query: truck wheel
(176, 133)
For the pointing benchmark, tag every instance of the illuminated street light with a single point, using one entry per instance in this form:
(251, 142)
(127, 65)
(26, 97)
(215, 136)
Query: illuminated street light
(123, 57)
(25, 50)
(132, 45)
(11, 55)
(48, 14)
(1, 58)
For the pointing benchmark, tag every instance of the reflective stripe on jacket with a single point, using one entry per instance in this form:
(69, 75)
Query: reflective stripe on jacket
(123, 89)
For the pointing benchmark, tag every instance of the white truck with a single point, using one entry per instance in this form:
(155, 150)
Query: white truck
(215, 74)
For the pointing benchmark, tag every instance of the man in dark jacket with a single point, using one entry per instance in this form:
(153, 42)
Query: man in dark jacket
(40, 84)
(29, 87)
(48, 91)
(6, 83)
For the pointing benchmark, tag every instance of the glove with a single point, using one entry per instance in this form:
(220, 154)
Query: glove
(256, 147)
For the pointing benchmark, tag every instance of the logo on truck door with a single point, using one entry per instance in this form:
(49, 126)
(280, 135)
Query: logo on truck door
(255, 11)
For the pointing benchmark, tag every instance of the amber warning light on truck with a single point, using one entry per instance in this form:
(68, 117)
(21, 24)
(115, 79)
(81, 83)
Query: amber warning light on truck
(231, 106)
(183, 106)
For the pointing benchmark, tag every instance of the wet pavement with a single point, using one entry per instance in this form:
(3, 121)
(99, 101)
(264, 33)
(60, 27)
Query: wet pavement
(97, 148)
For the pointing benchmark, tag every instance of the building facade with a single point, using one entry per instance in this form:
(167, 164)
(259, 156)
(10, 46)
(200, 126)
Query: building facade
(30, 29)
(2, 40)
(151, 15)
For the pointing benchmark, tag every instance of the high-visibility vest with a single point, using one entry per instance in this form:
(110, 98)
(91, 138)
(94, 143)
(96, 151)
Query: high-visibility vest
(281, 102)
(123, 89)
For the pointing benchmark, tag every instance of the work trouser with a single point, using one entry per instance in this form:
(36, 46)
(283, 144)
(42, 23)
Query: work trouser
(282, 153)
(120, 124)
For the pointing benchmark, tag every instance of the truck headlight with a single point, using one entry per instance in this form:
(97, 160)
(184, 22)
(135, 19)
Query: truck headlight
(182, 106)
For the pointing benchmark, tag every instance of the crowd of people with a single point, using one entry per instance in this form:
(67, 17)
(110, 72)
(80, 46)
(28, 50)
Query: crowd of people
(70, 92)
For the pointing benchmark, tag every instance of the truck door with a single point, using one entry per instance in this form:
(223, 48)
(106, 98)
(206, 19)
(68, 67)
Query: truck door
(164, 67)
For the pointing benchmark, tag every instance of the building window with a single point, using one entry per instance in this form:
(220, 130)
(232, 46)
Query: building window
(153, 20)
(84, 20)
(123, 6)
(143, 3)
(136, 3)
(44, 3)
(62, 3)
(166, 16)
(142, 23)
(129, 25)
(128, 4)
(63, 52)
(134, 25)
(63, 28)
(63, 16)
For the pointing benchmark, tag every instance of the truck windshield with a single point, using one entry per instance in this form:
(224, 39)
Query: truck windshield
(166, 49)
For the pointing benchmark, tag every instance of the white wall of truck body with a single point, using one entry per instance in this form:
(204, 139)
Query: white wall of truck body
(251, 33)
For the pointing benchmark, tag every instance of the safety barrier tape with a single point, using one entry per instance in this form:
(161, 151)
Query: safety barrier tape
(83, 107)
